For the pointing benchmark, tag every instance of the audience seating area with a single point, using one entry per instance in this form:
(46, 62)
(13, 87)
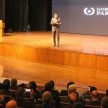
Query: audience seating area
(30, 95)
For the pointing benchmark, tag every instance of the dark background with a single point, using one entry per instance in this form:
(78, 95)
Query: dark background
(2, 10)
(17, 14)
(74, 20)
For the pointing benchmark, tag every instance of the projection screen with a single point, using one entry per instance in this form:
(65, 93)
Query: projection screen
(82, 16)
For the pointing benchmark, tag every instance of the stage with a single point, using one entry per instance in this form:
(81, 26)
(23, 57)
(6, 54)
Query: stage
(85, 51)
(82, 58)
(69, 42)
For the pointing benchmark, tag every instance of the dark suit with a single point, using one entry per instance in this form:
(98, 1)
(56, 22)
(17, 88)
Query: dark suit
(43, 106)
(65, 93)
(25, 103)
(7, 92)
(93, 102)
(85, 96)
(55, 29)
(13, 87)
(55, 97)
(55, 92)
(65, 99)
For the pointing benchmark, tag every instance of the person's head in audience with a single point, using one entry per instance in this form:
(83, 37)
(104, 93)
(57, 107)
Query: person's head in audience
(104, 103)
(77, 105)
(14, 82)
(6, 84)
(32, 85)
(73, 98)
(47, 97)
(71, 88)
(95, 95)
(20, 93)
(11, 104)
(52, 83)
(92, 88)
(48, 86)
(70, 83)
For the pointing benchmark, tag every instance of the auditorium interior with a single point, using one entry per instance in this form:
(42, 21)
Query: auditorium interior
(27, 56)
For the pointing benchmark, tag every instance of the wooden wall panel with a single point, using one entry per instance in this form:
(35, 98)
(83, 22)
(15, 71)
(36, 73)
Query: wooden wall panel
(60, 57)
(74, 59)
(39, 54)
(1, 49)
(66, 58)
(91, 61)
(55, 56)
(52, 56)
(45, 55)
(88, 61)
(29, 53)
(82, 60)
(102, 63)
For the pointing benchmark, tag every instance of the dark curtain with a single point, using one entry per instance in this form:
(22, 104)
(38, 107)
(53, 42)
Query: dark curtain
(2, 10)
(16, 14)
(40, 12)
(49, 14)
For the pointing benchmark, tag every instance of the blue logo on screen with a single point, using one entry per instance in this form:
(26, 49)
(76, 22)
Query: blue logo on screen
(89, 11)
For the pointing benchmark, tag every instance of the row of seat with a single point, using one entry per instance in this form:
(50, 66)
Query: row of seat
(53, 103)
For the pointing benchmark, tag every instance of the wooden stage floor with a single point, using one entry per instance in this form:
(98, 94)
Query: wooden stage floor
(60, 74)
(71, 42)
(80, 58)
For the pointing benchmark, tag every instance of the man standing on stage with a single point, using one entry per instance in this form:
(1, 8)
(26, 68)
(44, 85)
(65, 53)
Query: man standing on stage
(55, 22)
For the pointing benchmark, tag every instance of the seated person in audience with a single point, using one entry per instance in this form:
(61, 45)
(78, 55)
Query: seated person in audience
(6, 91)
(65, 92)
(72, 99)
(46, 100)
(71, 88)
(11, 104)
(95, 101)
(13, 84)
(104, 103)
(32, 85)
(48, 87)
(53, 91)
(21, 102)
(87, 93)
